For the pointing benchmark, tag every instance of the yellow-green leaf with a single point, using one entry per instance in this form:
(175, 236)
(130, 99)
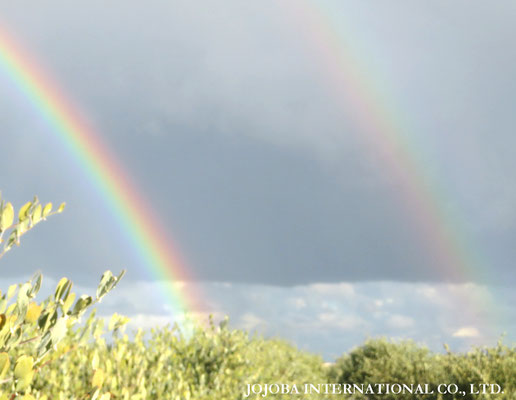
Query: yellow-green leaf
(68, 302)
(33, 313)
(4, 364)
(23, 226)
(47, 209)
(22, 214)
(11, 291)
(23, 367)
(95, 361)
(10, 310)
(61, 207)
(98, 378)
(62, 289)
(113, 321)
(7, 217)
(36, 216)
(59, 330)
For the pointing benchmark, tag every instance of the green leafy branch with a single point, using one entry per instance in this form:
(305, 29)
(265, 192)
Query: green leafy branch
(31, 334)
(32, 213)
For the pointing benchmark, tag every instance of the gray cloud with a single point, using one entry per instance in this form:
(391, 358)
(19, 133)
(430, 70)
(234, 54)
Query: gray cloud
(225, 117)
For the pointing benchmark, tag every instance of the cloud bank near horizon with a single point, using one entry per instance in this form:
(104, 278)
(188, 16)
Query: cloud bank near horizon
(329, 318)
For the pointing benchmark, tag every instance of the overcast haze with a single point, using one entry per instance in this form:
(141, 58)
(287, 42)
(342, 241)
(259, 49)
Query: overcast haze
(226, 117)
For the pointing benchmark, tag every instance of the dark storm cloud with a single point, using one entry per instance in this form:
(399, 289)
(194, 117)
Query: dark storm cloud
(225, 121)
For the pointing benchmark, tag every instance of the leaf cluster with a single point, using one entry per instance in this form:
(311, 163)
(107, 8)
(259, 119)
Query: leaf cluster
(29, 215)
(32, 333)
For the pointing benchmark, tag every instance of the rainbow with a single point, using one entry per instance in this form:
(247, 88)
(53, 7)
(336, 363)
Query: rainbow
(154, 249)
(387, 131)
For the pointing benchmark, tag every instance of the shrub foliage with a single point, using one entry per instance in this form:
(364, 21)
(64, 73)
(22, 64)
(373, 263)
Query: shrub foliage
(383, 361)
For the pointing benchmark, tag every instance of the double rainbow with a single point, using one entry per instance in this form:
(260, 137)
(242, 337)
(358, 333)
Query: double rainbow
(382, 126)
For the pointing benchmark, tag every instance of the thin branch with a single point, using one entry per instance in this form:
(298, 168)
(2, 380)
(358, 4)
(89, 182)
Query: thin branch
(29, 340)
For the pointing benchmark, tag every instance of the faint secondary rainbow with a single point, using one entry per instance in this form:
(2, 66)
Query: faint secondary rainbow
(387, 131)
(130, 210)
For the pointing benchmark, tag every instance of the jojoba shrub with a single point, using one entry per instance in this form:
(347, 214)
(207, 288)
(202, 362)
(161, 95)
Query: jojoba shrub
(209, 362)
(384, 361)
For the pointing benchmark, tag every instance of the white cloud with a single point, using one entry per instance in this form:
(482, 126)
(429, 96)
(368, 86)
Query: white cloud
(342, 322)
(400, 322)
(342, 289)
(298, 302)
(379, 303)
(466, 332)
(429, 292)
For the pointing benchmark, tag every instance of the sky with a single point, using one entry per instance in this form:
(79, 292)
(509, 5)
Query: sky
(329, 171)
